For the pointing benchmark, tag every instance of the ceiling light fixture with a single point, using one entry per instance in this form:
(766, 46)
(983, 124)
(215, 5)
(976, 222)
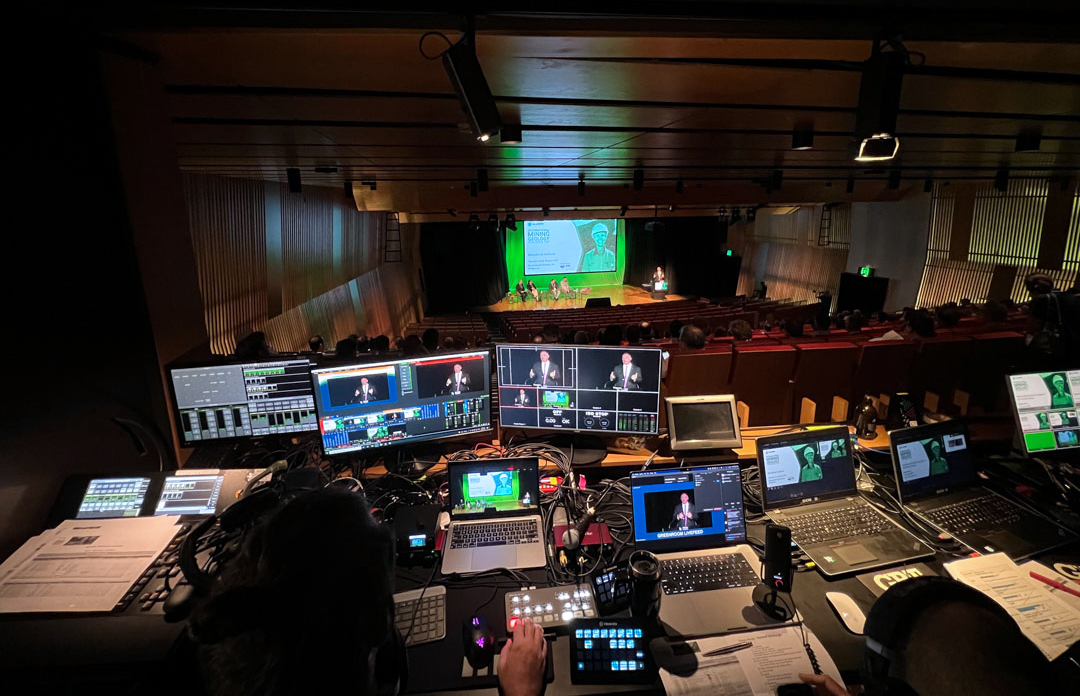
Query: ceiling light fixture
(802, 138)
(293, 175)
(581, 187)
(493, 220)
(510, 134)
(639, 179)
(622, 211)
(472, 89)
(511, 221)
(879, 103)
(482, 179)
(1028, 140)
(1001, 179)
(474, 223)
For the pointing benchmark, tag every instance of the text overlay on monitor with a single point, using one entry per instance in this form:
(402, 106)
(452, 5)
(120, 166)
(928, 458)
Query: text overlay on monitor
(587, 388)
(555, 247)
(403, 401)
(247, 400)
(676, 505)
(1045, 404)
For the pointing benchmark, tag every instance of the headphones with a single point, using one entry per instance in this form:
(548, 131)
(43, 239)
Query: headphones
(893, 615)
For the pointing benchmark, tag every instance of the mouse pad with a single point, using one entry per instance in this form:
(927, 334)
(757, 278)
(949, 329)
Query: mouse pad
(854, 554)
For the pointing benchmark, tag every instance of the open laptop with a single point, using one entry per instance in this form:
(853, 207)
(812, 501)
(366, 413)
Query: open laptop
(693, 520)
(936, 480)
(494, 516)
(808, 485)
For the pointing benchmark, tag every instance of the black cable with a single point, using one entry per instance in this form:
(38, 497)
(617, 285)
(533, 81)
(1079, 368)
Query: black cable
(426, 34)
(416, 609)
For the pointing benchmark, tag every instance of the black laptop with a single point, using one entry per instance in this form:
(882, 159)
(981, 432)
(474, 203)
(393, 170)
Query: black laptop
(936, 480)
(808, 485)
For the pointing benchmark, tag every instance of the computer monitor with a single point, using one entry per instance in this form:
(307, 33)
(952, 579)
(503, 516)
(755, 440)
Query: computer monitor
(931, 459)
(712, 495)
(800, 467)
(365, 406)
(703, 422)
(595, 389)
(222, 402)
(1046, 406)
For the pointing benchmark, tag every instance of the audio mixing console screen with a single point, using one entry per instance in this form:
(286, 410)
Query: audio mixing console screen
(247, 400)
(379, 404)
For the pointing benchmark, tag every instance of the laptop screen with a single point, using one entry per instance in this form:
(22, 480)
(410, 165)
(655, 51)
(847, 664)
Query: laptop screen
(687, 509)
(1046, 405)
(494, 488)
(930, 459)
(805, 466)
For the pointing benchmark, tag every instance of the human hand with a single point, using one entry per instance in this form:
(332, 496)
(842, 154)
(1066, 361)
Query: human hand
(552, 375)
(521, 662)
(680, 516)
(823, 684)
(634, 377)
(448, 381)
(356, 393)
(612, 376)
(531, 373)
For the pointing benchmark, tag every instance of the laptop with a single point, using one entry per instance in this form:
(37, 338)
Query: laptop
(693, 520)
(808, 485)
(494, 516)
(936, 480)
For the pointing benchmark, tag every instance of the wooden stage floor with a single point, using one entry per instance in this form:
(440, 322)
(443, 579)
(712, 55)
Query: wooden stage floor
(619, 294)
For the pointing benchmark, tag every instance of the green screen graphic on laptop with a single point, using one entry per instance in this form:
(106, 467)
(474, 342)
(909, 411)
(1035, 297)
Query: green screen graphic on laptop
(494, 487)
(1046, 409)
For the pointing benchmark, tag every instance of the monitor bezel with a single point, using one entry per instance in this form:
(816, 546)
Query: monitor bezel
(680, 444)
(579, 431)
(689, 543)
(785, 440)
(383, 363)
(174, 406)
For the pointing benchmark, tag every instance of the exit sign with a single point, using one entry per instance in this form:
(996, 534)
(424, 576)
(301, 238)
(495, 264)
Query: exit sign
(729, 252)
(866, 271)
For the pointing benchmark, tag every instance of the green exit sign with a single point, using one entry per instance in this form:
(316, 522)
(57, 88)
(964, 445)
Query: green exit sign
(729, 252)
(866, 271)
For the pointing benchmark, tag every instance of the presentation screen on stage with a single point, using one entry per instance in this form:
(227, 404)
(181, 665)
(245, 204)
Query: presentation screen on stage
(561, 247)
(587, 388)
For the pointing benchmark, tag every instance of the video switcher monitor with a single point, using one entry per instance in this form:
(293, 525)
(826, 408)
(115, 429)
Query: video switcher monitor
(246, 400)
(585, 388)
(391, 403)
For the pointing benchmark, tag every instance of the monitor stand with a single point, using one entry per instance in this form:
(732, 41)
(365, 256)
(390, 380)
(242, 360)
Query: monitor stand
(581, 448)
(705, 456)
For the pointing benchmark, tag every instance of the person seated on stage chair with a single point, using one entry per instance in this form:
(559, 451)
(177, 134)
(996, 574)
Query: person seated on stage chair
(545, 373)
(522, 399)
(599, 258)
(626, 375)
(658, 275)
(459, 381)
(564, 286)
(364, 393)
(520, 290)
(685, 515)
(531, 287)
(553, 289)
(692, 338)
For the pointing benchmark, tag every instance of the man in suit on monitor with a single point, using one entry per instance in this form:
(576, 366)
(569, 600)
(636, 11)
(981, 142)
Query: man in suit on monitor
(458, 381)
(685, 515)
(364, 393)
(545, 373)
(627, 375)
(522, 399)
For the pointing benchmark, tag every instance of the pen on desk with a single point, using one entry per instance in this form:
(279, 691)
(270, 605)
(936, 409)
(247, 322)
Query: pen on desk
(1055, 584)
(728, 649)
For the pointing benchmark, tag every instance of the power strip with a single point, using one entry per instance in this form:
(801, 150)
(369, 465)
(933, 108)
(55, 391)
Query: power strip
(550, 607)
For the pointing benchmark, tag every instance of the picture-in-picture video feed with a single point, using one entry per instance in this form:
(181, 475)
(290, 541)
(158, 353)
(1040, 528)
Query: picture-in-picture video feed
(806, 466)
(496, 486)
(558, 247)
(1046, 409)
(613, 390)
(374, 405)
(931, 457)
(691, 503)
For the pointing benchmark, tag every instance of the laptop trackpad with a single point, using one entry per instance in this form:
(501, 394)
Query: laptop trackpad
(854, 554)
(491, 557)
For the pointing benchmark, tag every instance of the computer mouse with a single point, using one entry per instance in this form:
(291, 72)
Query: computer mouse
(848, 611)
(178, 603)
(479, 642)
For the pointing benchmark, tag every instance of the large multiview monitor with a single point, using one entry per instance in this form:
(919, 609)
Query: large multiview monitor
(1046, 405)
(373, 405)
(586, 388)
(221, 402)
(559, 247)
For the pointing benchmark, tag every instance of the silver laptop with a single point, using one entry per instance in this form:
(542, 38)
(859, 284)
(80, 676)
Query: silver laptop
(494, 516)
(693, 520)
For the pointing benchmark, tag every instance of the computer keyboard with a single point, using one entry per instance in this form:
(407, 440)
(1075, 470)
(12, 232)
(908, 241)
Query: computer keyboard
(430, 611)
(699, 573)
(977, 513)
(465, 536)
(150, 589)
(856, 520)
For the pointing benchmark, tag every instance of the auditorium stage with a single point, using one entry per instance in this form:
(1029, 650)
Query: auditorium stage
(619, 294)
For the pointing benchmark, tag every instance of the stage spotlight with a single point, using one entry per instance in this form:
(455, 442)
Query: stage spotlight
(671, 208)
(493, 220)
(581, 187)
(511, 221)
(1028, 140)
(472, 89)
(474, 223)
(639, 179)
(679, 186)
(722, 212)
(348, 191)
(879, 102)
(928, 186)
(1001, 179)
(293, 175)
(893, 181)
(473, 189)
(481, 179)
(546, 212)
(510, 135)
(850, 188)
(802, 138)
(622, 211)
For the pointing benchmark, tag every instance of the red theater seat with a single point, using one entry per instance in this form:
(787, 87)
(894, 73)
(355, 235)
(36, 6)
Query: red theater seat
(760, 377)
(882, 368)
(822, 371)
(699, 372)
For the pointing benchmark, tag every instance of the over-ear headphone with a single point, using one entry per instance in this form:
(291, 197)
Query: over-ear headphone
(892, 617)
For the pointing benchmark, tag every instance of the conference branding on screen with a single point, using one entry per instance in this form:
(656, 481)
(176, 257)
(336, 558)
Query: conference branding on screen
(555, 247)
(1046, 408)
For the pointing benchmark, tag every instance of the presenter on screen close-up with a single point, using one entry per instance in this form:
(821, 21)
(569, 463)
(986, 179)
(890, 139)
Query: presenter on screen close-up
(685, 515)
(626, 375)
(364, 393)
(600, 258)
(545, 373)
(458, 381)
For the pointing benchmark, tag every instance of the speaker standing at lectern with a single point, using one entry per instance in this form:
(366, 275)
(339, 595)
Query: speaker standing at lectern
(658, 276)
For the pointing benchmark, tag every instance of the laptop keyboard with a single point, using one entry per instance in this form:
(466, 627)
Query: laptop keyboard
(428, 620)
(719, 571)
(816, 527)
(985, 511)
(465, 536)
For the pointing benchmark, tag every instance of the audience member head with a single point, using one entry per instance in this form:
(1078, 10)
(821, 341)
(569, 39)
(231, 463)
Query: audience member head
(839, 320)
(741, 330)
(948, 316)
(380, 344)
(821, 322)
(1039, 284)
(550, 333)
(363, 345)
(719, 332)
(769, 322)
(399, 343)
(700, 323)
(582, 338)
(674, 328)
(345, 348)
(538, 338)
(646, 331)
(882, 317)
(856, 322)
(316, 344)
(413, 346)
(922, 324)
(253, 347)
(431, 339)
(633, 335)
(793, 328)
(994, 311)
(612, 336)
(692, 338)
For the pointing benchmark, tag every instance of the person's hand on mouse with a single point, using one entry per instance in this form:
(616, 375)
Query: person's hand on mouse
(522, 660)
(823, 685)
